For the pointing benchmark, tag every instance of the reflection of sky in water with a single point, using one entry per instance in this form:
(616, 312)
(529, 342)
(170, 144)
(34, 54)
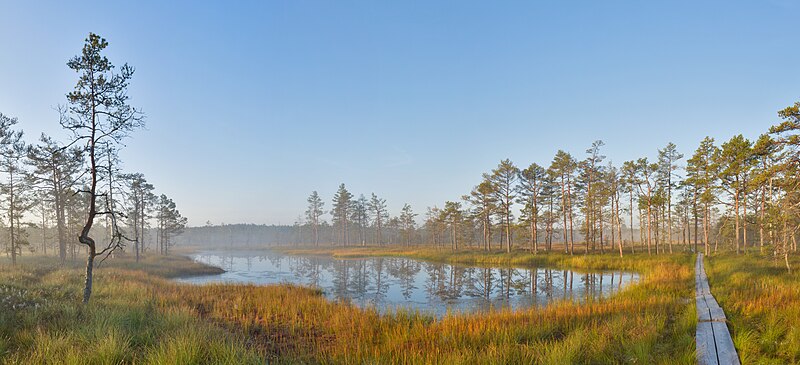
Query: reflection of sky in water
(387, 283)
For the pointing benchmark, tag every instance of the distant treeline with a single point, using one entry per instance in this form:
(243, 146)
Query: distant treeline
(738, 195)
(238, 235)
(256, 235)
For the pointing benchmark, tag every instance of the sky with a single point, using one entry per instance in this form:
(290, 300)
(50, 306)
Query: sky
(250, 106)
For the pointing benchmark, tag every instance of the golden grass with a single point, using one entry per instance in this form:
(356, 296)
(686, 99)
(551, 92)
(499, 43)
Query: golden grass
(651, 322)
(762, 303)
(140, 317)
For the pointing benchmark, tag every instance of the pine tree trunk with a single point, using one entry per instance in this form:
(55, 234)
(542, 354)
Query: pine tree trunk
(87, 289)
(669, 209)
(569, 205)
(744, 221)
(706, 227)
(62, 242)
(564, 212)
(761, 222)
(535, 227)
(736, 218)
(649, 225)
(633, 250)
(11, 205)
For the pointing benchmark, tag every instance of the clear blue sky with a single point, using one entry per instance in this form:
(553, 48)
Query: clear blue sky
(251, 106)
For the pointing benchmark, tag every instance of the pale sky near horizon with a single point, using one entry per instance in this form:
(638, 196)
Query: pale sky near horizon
(252, 105)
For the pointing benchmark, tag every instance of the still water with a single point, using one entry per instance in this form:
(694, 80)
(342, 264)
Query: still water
(392, 283)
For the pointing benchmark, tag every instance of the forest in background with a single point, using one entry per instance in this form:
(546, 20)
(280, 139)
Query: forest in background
(44, 202)
(737, 195)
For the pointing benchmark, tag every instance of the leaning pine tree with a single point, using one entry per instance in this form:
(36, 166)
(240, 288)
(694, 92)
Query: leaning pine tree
(99, 116)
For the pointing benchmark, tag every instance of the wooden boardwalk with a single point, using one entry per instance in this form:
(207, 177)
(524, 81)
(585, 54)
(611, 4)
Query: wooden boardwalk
(714, 343)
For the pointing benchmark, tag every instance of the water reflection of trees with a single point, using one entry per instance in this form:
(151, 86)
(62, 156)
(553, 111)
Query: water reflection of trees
(378, 293)
(275, 260)
(498, 285)
(340, 277)
(369, 281)
(309, 269)
(404, 271)
(479, 282)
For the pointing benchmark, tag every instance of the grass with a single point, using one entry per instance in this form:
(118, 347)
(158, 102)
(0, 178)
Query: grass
(43, 322)
(762, 303)
(139, 316)
(518, 258)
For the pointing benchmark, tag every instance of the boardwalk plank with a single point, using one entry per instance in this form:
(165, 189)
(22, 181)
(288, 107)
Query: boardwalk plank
(717, 314)
(726, 352)
(711, 302)
(706, 349)
(714, 342)
(704, 316)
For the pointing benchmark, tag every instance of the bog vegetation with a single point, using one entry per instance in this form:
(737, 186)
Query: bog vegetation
(737, 201)
(136, 317)
(762, 302)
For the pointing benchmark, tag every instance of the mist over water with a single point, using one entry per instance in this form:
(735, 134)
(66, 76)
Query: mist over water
(393, 283)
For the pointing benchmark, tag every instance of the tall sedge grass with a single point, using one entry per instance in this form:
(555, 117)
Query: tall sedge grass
(43, 322)
(142, 317)
(648, 323)
(762, 303)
